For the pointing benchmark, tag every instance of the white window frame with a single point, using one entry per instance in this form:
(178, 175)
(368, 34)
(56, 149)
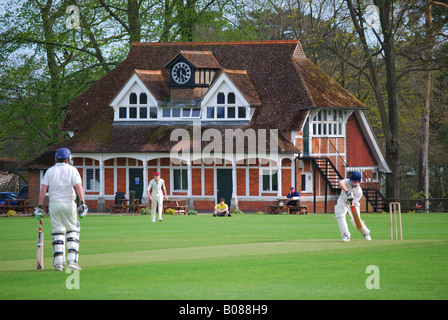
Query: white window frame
(173, 172)
(95, 181)
(272, 173)
(308, 182)
(328, 123)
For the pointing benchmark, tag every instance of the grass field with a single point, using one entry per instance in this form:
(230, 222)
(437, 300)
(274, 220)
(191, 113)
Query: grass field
(246, 256)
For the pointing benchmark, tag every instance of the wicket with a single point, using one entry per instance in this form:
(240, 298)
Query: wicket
(395, 207)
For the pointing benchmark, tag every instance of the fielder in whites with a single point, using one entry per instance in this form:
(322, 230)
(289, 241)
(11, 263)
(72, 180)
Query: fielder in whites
(351, 194)
(61, 181)
(156, 188)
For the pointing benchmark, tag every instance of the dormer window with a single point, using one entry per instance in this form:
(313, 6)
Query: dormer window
(225, 108)
(137, 109)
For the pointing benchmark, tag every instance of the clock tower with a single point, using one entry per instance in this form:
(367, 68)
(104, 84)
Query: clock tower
(191, 73)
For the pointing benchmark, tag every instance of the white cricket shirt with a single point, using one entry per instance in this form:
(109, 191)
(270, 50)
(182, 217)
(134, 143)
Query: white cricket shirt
(156, 187)
(357, 191)
(60, 179)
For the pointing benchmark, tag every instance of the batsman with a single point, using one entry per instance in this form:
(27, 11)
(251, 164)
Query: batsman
(62, 181)
(348, 201)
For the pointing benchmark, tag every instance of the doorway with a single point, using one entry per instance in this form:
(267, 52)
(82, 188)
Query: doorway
(136, 182)
(224, 184)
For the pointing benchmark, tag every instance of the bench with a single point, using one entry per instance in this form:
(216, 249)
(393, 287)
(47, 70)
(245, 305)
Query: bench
(277, 209)
(179, 206)
(119, 208)
(123, 206)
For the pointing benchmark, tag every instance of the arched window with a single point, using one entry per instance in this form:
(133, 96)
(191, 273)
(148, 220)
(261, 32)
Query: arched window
(221, 98)
(133, 98)
(231, 98)
(143, 98)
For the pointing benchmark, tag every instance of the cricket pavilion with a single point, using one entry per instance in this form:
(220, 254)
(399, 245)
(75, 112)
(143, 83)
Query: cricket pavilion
(243, 121)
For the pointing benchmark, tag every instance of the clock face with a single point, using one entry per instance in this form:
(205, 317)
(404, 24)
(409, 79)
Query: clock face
(181, 73)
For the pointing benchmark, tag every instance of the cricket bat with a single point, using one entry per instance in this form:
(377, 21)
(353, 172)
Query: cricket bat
(40, 248)
(356, 216)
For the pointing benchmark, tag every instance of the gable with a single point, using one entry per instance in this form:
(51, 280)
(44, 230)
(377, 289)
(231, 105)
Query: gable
(240, 86)
(133, 85)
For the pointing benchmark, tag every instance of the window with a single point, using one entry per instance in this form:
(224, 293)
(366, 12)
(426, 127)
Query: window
(153, 112)
(180, 178)
(328, 123)
(143, 113)
(123, 113)
(270, 182)
(231, 98)
(241, 112)
(307, 182)
(191, 112)
(93, 179)
(143, 98)
(220, 112)
(179, 112)
(210, 112)
(221, 98)
(223, 112)
(137, 110)
(231, 112)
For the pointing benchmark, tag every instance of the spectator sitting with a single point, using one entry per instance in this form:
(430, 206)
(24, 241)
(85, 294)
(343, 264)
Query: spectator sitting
(291, 195)
(221, 209)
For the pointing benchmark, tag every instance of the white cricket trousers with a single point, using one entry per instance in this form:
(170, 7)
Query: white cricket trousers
(340, 210)
(64, 224)
(157, 202)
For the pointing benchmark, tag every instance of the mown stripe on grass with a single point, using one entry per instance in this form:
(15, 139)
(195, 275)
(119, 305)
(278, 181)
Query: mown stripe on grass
(204, 252)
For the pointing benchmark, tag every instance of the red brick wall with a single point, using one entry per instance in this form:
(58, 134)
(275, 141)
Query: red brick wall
(34, 187)
(358, 151)
(209, 187)
(196, 180)
(241, 181)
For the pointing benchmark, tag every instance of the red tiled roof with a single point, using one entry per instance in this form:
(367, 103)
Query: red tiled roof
(154, 81)
(285, 82)
(242, 81)
(201, 59)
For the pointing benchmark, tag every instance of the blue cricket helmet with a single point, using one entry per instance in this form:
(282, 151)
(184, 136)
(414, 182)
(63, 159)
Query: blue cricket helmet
(355, 176)
(63, 154)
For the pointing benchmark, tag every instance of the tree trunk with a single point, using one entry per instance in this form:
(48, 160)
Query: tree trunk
(390, 117)
(423, 160)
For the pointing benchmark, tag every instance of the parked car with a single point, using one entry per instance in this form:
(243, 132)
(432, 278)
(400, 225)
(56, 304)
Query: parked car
(8, 196)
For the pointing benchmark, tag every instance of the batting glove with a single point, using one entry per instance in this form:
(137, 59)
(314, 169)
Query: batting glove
(39, 212)
(349, 195)
(82, 210)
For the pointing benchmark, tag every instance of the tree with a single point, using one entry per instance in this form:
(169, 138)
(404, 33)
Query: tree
(389, 113)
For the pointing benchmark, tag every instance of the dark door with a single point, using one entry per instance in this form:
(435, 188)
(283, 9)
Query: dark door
(136, 182)
(224, 185)
(306, 139)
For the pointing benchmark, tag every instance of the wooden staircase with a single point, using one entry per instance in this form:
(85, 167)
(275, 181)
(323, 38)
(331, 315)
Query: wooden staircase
(376, 199)
(328, 171)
